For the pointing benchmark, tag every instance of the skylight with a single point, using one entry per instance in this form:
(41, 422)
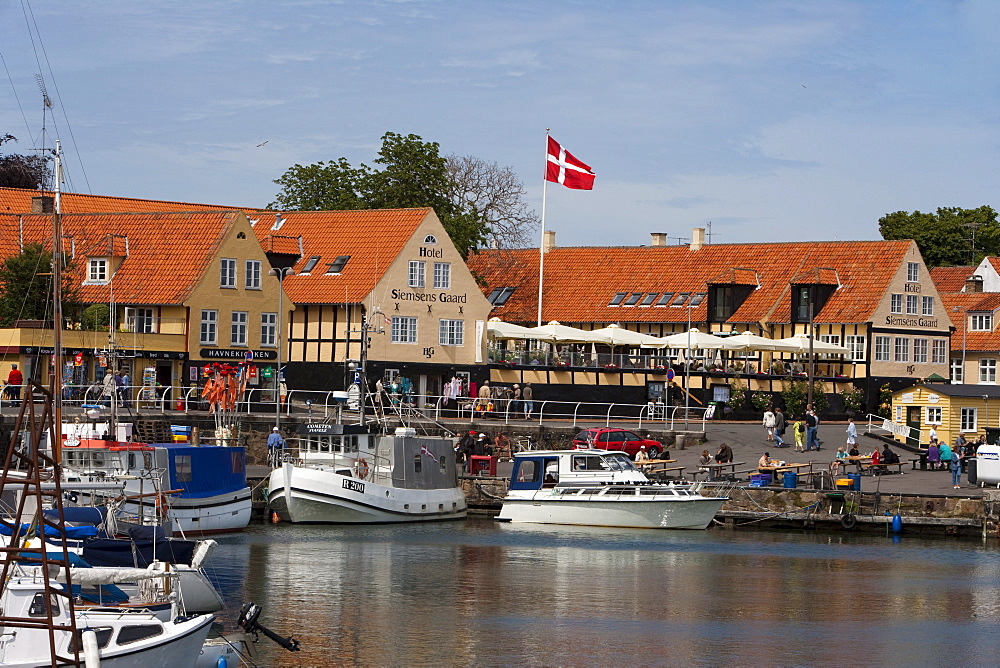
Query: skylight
(649, 299)
(337, 265)
(617, 299)
(697, 298)
(310, 263)
(680, 299)
(503, 296)
(633, 299)
(665, 299)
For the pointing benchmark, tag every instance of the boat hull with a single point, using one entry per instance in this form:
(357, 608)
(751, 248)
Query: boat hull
(304, 495)
(677, 513)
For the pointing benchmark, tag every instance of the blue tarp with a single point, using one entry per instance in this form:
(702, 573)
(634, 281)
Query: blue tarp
(71, 532)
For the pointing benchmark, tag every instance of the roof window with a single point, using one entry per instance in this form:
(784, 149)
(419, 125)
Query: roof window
(680, 299)
(310, 263)
(649, 299)
(633, 299)
(617, 299)
(504, 295)
(337, 265)
(697, 298)
(665, 299)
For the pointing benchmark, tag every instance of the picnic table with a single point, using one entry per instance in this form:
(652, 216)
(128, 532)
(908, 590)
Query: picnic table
(778, 468)
(716, 469)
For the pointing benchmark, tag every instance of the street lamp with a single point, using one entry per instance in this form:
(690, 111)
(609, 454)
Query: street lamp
(965, 329)
(281, 273)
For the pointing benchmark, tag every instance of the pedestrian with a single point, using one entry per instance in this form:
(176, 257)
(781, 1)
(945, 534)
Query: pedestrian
(485, 393)
(275, 444)
(956, 469)
(15, 379)
(779, 428)
(799, 430)
(527, 395)
(852, 432)
(515, 401)
(932, 434)
(812, 428)
(769, 424)
(126, 384)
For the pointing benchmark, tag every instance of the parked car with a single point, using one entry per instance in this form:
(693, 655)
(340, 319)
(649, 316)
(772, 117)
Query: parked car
(603, 438)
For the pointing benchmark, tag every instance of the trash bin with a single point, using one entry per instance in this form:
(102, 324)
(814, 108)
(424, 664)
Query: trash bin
(791, 479)
(856, 478)
(836, 503)
(973, 477)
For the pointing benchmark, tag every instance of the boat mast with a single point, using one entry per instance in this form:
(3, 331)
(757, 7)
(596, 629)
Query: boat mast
(57, 350)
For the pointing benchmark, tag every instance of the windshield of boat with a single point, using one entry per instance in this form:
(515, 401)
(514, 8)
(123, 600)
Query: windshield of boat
(619, 462)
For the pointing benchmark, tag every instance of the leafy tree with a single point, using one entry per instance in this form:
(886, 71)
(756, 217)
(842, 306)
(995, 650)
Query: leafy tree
(26, 287)
(952, 236)
(468, 195)
(22, 171)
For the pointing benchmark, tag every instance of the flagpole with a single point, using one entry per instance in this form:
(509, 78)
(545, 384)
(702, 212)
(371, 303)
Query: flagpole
(541, 245)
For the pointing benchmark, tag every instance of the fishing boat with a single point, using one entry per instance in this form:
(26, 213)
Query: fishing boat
(600, 488)
(350, 474)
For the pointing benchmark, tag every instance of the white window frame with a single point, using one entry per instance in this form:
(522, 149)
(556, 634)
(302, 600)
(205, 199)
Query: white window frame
(968, 420)
(140, 320)
(912, 305)
(901, 349)
(209, 327)
(856, 344)
(981, 322)
(451, 332)
(227, 273)
(895, 303)
(883, 348)
(97, 270)
(252, 275)
(912, 272)
(899, 413)
(920, 350)
(987, 371)
(239, 321)
(417, 274)
(939, 351)
(268, 330)
(927, 305)
(957, 371)
(403, 329)
(934, 415)
(442, 275)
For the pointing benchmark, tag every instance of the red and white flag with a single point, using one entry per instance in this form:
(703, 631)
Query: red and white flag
(562, 167)
(425, 451)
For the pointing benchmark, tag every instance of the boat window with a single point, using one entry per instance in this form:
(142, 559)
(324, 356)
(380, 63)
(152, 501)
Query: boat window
(37, 608)
(129, 634)
(97, 459)
(239, 462)
(417, 460)
(103, 634)
(182, 468)
(551, 472)
(131, 460)
(591, 490)
(443, 463)
(588, 463)
(527, 470)
(327, 444)
(351, 443)
(147, 460)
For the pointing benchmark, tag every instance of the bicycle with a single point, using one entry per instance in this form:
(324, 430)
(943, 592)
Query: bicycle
(525, 444)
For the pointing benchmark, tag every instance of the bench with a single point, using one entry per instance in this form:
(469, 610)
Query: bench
(878, 469)
(664, 471)
(919, 461)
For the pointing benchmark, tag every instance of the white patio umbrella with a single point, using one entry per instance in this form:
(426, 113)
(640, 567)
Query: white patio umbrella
(801, 345)
(615, 335)
(498, 329)
(556, 333)
(747, 342)
(694, 339)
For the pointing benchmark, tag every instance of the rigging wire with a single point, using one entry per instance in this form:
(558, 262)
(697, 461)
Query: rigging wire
(13, 90)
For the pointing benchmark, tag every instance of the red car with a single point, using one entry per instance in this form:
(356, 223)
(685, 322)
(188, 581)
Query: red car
(604, 438)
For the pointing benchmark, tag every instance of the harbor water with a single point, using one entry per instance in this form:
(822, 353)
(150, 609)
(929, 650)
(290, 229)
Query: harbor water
(480, 592)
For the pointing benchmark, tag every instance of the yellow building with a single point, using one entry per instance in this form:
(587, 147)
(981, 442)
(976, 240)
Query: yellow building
(948, 410)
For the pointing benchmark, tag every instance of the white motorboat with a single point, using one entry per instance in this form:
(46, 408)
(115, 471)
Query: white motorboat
(600, 488)
(112, 637)
(349, 475)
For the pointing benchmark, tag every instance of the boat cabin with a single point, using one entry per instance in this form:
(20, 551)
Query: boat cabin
(322, 443)
(538, 470)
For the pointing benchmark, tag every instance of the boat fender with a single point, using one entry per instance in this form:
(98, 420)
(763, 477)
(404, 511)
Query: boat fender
(221, 663)
(361, 467)
(897, 523)
(73, 498)
(848, 521)
(91, 654)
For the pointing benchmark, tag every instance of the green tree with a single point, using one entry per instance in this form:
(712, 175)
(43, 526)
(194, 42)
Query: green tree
(952, 236)
(468, 195)
(26, 287)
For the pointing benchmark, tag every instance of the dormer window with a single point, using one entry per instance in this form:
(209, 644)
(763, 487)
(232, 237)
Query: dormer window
(337, 265)
(310, 264)
(430, 239)
(809, 300)
(97, 270)
(981, 322)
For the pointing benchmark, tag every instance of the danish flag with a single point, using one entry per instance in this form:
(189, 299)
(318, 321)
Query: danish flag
(425, 451)
(562, 167)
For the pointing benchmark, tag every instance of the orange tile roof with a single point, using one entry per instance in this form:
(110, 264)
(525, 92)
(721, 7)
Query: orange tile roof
(579, 282)
(373, 238)
(18, 200)
(957, 305)
(167, 252)
(950, 279)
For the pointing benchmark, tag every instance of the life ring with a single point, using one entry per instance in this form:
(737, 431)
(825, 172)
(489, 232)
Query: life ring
(361, 468)
(848, 521)
(161, 506)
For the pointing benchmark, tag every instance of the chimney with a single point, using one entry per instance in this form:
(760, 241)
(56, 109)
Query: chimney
(278, 222)
(697, 238)
(658, 239)
(974, 283)
(548, 241)
(43, 204)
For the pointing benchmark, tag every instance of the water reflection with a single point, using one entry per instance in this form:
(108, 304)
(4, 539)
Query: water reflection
(484, 593)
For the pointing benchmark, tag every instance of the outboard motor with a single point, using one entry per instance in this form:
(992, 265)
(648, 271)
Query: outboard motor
(249, 614)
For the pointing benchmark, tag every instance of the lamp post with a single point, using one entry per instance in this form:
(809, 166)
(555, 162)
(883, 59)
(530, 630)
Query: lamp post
(687, 373)
(281, 273)
(965, 329)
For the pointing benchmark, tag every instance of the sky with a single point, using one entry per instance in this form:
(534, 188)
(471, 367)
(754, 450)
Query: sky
(768, 120)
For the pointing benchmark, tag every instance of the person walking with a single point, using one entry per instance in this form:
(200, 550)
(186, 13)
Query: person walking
(485, 392)
(527, 396)
(956, 469)
(812, 429)
(515, 401)
(15, 379)
(769, 424)
(852, 433)
(779, 429)
(799, 431)
(275, 444)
